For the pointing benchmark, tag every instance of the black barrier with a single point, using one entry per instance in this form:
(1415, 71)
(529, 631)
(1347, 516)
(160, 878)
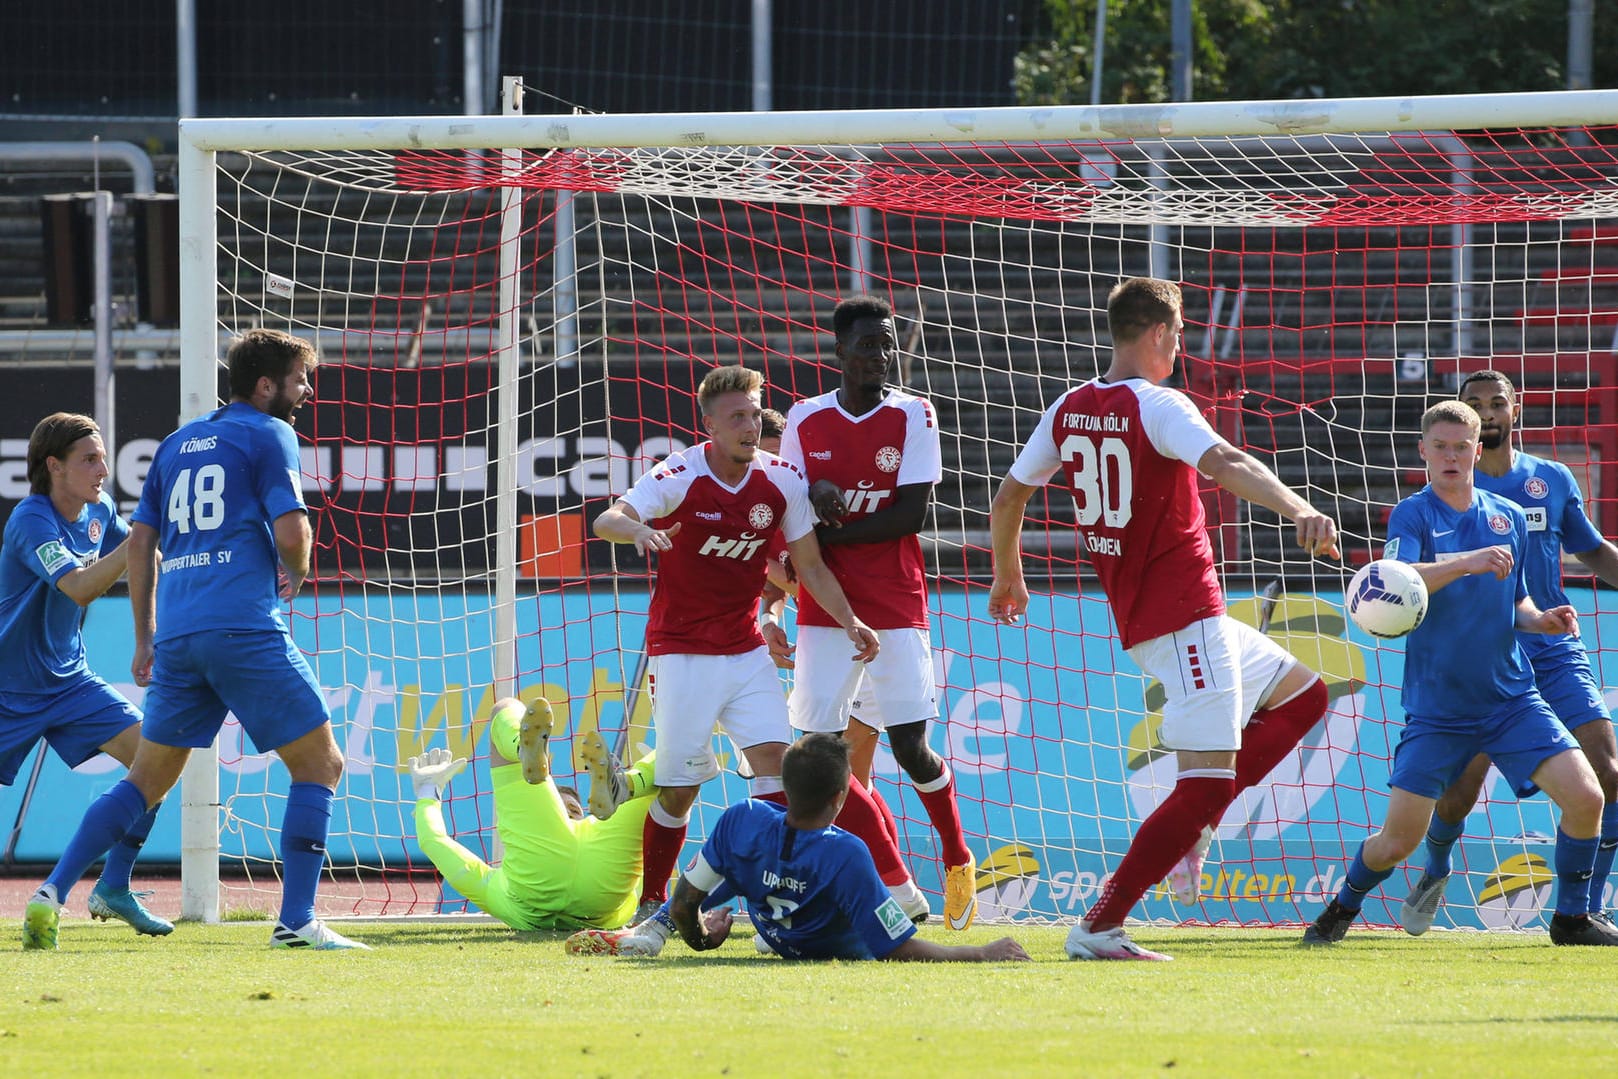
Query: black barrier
(399, 464)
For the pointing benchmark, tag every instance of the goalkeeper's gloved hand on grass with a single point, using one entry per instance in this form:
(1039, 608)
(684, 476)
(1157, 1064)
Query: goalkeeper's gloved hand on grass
(432, 771)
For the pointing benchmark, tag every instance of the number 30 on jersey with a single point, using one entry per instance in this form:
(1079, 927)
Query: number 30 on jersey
(1103, 483)
(198, 500)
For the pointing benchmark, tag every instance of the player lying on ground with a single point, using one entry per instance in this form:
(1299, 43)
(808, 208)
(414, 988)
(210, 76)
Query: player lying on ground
(1131, 450)
(64, 547)
(560, 869)
(811, 888)
(1468, 687)
(1551, 501)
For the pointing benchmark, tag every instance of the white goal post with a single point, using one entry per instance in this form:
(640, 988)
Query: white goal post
(511, 308)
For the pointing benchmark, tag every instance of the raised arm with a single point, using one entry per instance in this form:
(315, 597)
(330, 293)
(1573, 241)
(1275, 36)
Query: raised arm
(1245, 476)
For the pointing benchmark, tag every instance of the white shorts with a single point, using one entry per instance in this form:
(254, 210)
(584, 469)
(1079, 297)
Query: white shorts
(741, 694)
(899, 681)
(1216, 673)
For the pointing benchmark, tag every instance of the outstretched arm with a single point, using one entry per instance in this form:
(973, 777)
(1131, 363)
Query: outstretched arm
(620, 523)
(917, 950)
(89, 582)
(1245, 476)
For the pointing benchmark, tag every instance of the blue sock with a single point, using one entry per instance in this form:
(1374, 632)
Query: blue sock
(1604, 854)
(1359, 881)
(108, 820)
(1575, 858)
(1441, 837)
(303, 850)
(121, 858)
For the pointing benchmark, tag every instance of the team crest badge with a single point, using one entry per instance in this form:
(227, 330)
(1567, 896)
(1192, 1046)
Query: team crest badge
(95, 531)
(761, 516)
(888, 458)
(1536, 487)
(1500, 523)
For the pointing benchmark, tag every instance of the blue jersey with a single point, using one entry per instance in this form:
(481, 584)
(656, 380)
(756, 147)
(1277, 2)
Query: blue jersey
(1550, 500)
(811, 894)
(40, 646)
(214, 490)
(1463, 662)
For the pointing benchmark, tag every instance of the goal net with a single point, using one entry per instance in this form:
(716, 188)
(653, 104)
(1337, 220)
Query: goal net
(514, 312)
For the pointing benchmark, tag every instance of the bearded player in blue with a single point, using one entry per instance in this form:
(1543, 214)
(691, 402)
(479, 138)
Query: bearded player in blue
(64, 547)
(1468, 687)
(223, 504)
(812, 889)
(1551, 501)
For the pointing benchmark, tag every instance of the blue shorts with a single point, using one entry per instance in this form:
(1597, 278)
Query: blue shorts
(259, 675)
(77, 720)
(1564, 679)
(1518, 737)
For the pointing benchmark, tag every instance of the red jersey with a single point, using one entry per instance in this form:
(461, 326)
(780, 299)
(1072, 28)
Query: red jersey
(1129, 450)
(869, 457)
(708, 583)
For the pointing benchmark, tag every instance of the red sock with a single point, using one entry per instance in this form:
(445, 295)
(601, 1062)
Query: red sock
(861, 817)
(1275, 732)
(1163, 839)
(660, 847)
(945, 813)
(888, 820)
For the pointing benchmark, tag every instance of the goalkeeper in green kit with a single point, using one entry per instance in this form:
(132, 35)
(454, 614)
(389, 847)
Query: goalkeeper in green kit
(561, 869)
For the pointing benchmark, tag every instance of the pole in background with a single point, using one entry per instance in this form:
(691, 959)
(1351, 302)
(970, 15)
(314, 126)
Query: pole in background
(763, 71)
(185, 31)
(1180, 62)
(1100, 52)
(472, 57)
(1580, 25)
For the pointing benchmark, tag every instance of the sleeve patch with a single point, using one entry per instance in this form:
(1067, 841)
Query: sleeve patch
(53, 556)
(893, 918)
(1392, 548)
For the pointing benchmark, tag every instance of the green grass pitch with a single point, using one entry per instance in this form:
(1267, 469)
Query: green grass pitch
(477, 1000)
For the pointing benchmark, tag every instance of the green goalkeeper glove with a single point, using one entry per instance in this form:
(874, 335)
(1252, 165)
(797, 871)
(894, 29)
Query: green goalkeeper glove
(432, 771)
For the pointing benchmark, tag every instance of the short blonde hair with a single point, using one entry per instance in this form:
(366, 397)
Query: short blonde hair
(722, 380)
(1451, 412)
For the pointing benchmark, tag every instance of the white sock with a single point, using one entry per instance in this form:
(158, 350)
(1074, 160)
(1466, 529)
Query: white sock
(759, 786)
(47, 894)
(908, 895)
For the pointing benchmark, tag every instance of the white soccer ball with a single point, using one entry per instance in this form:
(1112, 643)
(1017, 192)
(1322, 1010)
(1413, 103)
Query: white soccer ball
(1387, 598)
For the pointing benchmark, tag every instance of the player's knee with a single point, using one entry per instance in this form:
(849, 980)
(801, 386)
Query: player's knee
(913, 754)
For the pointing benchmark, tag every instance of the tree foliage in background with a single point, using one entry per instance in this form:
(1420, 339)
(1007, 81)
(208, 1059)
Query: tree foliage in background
(1256, 49)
